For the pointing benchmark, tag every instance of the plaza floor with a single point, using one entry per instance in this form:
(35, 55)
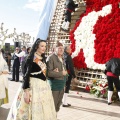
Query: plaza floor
(84, 106)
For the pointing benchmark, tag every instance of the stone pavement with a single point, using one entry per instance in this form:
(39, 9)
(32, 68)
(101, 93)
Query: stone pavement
(86, 107)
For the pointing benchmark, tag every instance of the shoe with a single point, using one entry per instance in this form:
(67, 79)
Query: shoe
(109, 103)
(68, 105)
(12, 80)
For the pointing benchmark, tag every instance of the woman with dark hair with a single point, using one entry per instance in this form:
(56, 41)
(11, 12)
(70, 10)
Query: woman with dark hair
(28, 50)
(35, 101)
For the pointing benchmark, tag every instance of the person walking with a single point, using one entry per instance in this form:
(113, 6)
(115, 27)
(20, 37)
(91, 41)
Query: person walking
(16, 66)
(35, 101)
(56, 72)
(71, 74)
(22, 55)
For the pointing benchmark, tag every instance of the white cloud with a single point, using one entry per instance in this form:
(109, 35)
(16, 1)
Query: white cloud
(36, 5)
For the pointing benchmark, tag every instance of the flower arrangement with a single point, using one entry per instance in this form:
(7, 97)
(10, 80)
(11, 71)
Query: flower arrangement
(98, 87)
(95, 37)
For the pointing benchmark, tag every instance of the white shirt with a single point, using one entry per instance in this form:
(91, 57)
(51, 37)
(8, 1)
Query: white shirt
(21, 54)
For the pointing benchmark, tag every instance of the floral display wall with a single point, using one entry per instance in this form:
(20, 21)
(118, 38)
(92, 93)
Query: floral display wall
(96, 35)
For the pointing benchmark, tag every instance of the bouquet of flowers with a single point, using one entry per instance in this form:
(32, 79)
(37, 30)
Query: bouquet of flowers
(98, 87)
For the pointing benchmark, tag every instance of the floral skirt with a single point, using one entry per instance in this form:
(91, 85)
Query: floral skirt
(41, 106)
(4, 100)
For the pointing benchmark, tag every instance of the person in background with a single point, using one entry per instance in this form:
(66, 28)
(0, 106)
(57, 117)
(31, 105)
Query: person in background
(9, 60)
(25, 59)
(35, 101)
(70, 7)
(3, 80)
(6, 56)
(112, 72)
(21, 55)
(56, 72)
(16, 66)
(3, 52)
(71, 73)
(28, 51)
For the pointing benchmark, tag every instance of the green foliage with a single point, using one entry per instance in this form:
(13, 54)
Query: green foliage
(12, 49)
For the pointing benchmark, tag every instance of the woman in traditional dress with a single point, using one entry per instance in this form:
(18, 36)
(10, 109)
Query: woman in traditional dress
(3, 80)
(34, 101)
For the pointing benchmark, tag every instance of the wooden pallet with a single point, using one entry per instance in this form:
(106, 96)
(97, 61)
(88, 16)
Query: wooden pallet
(56, 34)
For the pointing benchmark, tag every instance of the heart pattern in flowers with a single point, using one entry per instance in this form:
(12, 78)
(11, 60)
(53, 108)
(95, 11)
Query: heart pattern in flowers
(96, 35)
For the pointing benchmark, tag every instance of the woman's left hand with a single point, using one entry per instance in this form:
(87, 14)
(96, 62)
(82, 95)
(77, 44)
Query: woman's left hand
(27, 97)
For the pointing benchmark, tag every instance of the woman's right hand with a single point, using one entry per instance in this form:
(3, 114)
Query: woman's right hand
(27, 97)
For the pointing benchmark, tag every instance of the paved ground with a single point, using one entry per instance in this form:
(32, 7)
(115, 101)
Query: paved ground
(86, 107)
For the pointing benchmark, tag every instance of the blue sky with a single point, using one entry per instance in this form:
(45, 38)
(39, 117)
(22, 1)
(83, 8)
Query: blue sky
(21, 14)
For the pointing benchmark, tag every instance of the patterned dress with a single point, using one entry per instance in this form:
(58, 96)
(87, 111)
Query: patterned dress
(3, 84)
(41, 106)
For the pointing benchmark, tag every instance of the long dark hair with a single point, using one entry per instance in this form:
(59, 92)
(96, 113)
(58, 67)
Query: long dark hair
(37, 46)
(29, 62)
(33, 50)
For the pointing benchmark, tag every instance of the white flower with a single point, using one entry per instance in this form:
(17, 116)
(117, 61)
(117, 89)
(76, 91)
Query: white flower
(85, 38)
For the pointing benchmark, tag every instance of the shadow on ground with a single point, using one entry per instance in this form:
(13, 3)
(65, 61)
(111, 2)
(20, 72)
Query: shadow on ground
(102, 112)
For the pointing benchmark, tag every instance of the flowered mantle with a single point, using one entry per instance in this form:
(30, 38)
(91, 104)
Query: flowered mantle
(98, 87)
(96, 35)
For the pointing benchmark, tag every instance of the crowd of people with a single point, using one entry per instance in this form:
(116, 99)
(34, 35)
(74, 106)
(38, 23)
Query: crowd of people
(19, 58)
(46, 81)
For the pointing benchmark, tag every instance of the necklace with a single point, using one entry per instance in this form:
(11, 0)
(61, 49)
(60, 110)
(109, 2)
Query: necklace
(40, 57)
(38, 54)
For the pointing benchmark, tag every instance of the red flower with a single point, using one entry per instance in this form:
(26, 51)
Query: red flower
(106, 30)
(103, 91)
(87, 88)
